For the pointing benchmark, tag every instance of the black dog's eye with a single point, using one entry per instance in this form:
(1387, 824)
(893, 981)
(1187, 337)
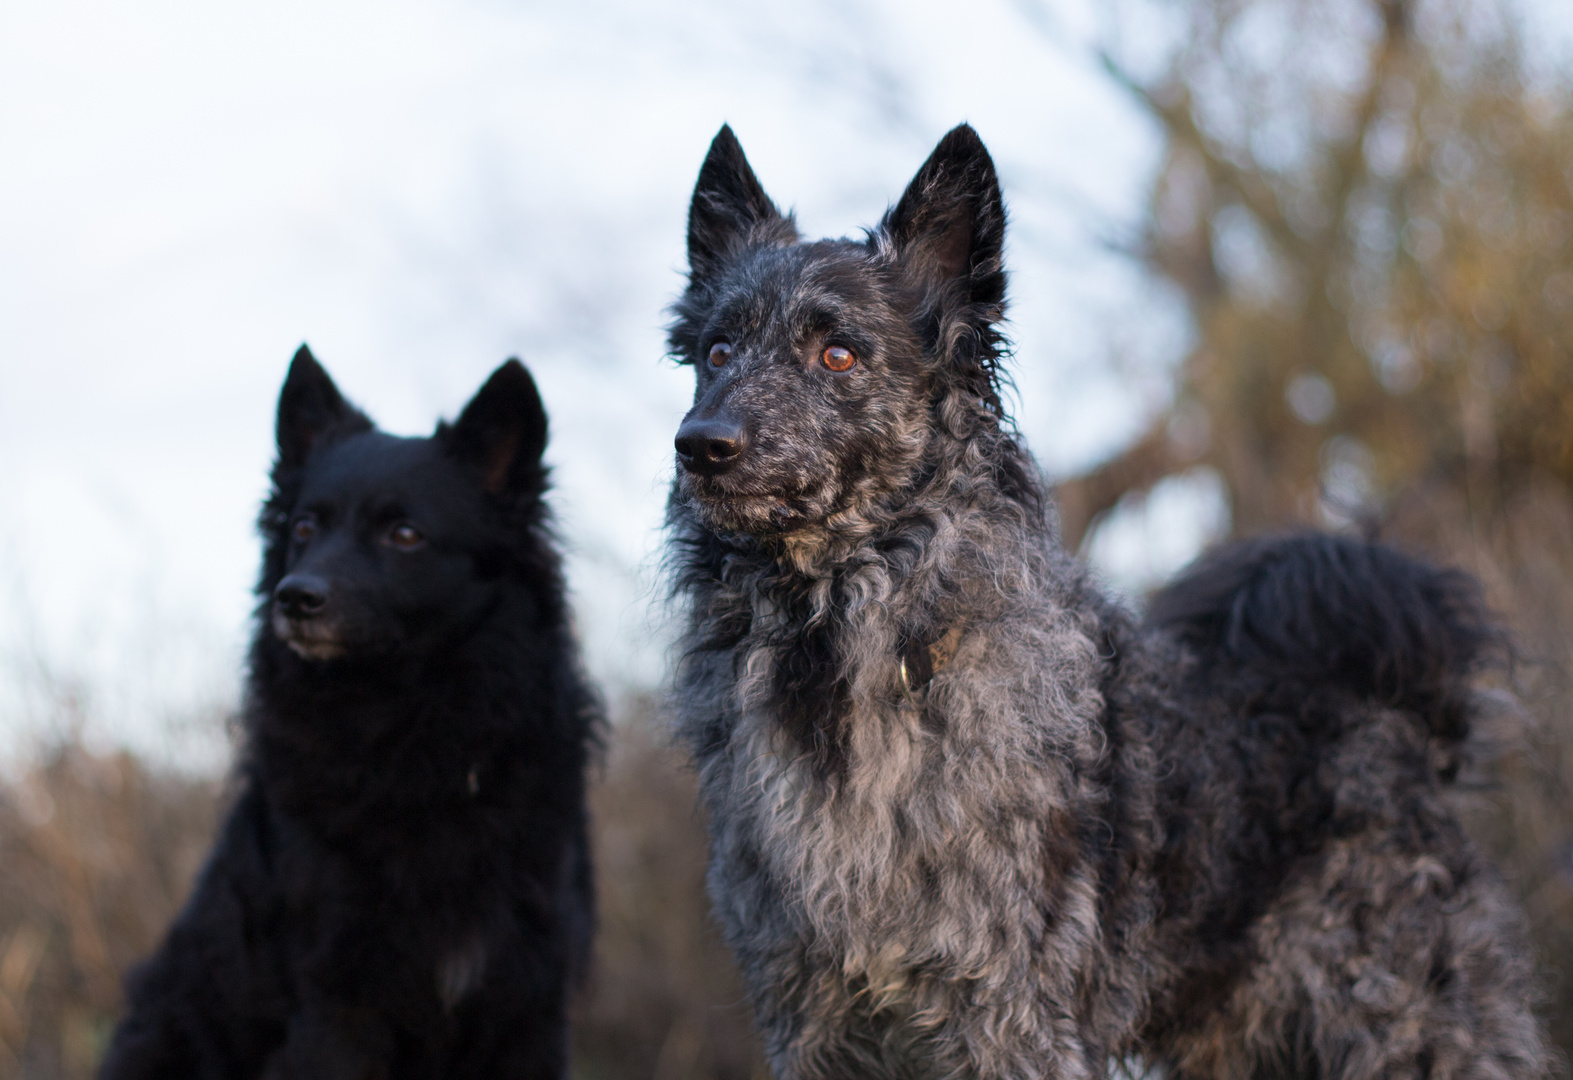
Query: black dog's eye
(720, 353)
(837, 358)
(304, 529)
(405, 537)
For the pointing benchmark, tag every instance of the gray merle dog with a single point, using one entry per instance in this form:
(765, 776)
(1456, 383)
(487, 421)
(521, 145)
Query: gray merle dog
(971, 819)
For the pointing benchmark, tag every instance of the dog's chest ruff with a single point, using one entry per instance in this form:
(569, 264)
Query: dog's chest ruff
(893, 892)
(907, 864)
(459, 972)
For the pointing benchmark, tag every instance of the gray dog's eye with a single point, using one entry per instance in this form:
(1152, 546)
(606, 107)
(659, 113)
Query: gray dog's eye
(305, 528)
(720, 353)
(837, 358)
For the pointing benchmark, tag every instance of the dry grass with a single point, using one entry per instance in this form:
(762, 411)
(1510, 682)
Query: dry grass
(665, 1000)
(98, 852)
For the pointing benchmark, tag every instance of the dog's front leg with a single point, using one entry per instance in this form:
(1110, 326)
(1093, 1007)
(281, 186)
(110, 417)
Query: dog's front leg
(941, 1030)
(960, 1029)
(1016, 1036)
(950, 1052)
(812, 1026)
(833, 1047)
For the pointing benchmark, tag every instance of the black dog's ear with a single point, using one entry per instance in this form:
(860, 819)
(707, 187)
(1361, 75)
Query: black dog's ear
(502, 431)
(950, 222)
(311, 407)
(728, 208)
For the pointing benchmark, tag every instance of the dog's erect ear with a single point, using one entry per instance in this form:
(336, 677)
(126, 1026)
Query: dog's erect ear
(502, 431)
(311, 407)
(950, 222)
(728, 208)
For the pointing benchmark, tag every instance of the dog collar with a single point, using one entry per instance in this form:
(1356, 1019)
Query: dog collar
(920, 663)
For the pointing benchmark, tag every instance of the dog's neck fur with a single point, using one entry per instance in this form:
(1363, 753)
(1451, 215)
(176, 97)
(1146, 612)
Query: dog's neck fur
(309, 736)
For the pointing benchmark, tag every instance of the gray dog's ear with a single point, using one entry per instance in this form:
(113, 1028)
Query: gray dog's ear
(310, 410)
(950, 223)
(730, 209)
(502, 431)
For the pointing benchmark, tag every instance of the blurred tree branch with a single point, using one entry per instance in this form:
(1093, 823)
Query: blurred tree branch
(1372, 264)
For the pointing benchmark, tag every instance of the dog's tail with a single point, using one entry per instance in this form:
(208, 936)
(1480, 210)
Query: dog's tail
(1308, 610)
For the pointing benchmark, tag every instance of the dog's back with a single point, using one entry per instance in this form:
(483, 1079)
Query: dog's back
(402, 889)
(1310, 610)
(1312, 698)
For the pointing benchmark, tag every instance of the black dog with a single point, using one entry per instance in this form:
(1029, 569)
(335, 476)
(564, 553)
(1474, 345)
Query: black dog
(972, 820)
(403, 887)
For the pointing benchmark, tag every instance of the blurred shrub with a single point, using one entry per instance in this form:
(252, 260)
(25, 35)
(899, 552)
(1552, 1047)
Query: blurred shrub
(96, 854)
(664, 1000)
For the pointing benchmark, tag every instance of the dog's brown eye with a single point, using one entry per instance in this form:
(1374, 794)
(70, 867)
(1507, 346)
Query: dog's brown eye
(838, 359)
(304, 528)
(405, 536)
(720, 353)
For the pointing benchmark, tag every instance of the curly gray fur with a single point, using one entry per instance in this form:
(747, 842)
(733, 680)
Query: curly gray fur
(1084, 841)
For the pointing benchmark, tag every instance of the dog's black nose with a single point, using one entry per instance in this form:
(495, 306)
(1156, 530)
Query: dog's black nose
(301, 596)
(712, 444)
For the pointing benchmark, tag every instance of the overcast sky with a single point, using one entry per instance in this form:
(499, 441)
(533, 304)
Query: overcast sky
(188, 190)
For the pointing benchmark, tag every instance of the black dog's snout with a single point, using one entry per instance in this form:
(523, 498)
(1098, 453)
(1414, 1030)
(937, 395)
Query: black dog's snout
(301, 596)
(712, 444)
